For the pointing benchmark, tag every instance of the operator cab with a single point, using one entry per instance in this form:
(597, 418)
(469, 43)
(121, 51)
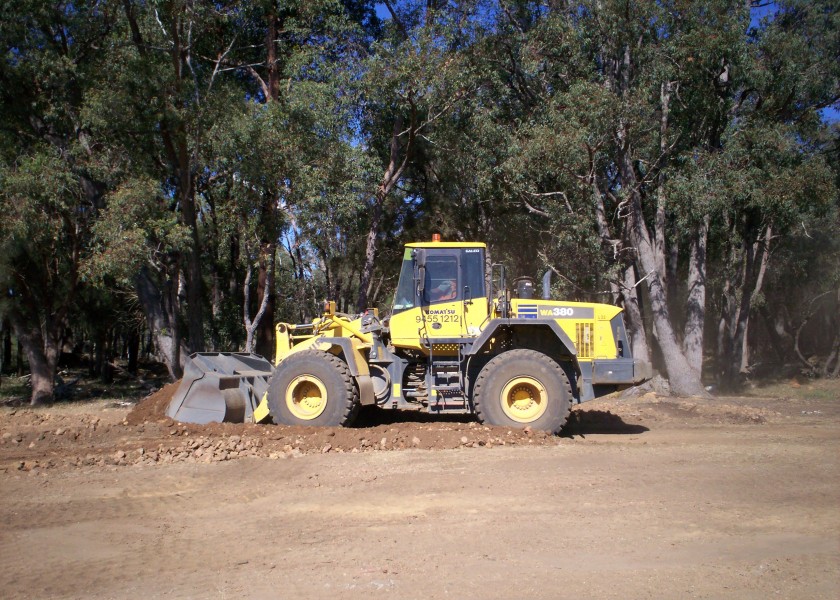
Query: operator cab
(450, 272)
(441, 292)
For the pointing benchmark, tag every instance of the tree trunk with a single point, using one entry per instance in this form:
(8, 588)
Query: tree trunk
(133, 349)
(833, 358)
(633, 313)
(660, 218)
(835, 346)
(683, 379)
(99, 355)
(7, 344)
(176, 146)
(780, 337)
(42, 352)
(265, 326)
(370, 251)
(392, 175)
(750, 284)
(251, 326)
(19, 359)
(695, 315)
(195, 296)
(759, 283)
(3, 354)
(163, 329)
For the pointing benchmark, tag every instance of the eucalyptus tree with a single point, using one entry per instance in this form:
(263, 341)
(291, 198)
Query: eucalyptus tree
(415, 76)
(774, 160)
(52, 176)
(626, 119)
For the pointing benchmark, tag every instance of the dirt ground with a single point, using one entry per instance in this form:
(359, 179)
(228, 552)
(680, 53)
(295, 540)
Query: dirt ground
(640, 498)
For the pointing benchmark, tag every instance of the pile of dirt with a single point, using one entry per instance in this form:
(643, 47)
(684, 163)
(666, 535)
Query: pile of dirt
(55, 444)
(153, 407)
(110, 435)
(102, 434)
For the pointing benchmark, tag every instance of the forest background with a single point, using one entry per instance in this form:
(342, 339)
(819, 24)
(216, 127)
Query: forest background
(176, 176)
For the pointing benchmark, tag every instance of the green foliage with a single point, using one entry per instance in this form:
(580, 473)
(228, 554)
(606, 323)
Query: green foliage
(168, 135)
(136, 229)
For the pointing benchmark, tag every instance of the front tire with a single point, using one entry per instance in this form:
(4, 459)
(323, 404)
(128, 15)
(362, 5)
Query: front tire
(313, 388)
(523, 388)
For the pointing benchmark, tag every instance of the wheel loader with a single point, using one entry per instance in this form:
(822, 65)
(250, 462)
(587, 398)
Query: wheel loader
(454, 342)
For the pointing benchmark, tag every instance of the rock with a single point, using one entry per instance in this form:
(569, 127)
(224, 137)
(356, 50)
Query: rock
(527, 430)
(235, 439)
(119, 454)
(326, 448)
(464, 439)
(383, 442)
(31, 445)
(415, 441)
(7, 435)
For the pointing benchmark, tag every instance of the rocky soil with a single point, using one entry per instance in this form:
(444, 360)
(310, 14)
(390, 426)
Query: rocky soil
(642, 497)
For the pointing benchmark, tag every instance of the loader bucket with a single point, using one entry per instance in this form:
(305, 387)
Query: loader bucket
(220, 386)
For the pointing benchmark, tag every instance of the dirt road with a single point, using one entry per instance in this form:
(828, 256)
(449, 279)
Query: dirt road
(646, 498)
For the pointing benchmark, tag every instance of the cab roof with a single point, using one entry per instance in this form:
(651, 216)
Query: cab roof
(431, 244)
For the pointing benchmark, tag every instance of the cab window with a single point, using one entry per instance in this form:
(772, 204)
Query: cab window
(405, 295)
(441, 283)
(473, 269)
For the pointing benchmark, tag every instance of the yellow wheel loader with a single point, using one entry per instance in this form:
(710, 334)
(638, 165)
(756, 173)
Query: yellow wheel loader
(454, 343)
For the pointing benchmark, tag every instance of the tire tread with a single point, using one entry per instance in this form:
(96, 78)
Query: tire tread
(350, 402)
(508, 355)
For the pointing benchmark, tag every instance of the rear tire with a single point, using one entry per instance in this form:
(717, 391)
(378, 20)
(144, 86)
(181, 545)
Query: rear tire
(523, 388)
(313, 388)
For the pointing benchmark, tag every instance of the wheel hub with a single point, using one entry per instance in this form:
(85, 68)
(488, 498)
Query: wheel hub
(306, 397)
(524, 399)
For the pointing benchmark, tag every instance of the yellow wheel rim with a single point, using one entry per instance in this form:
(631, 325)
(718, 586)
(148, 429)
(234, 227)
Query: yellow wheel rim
(524, 399)
(306, 397)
